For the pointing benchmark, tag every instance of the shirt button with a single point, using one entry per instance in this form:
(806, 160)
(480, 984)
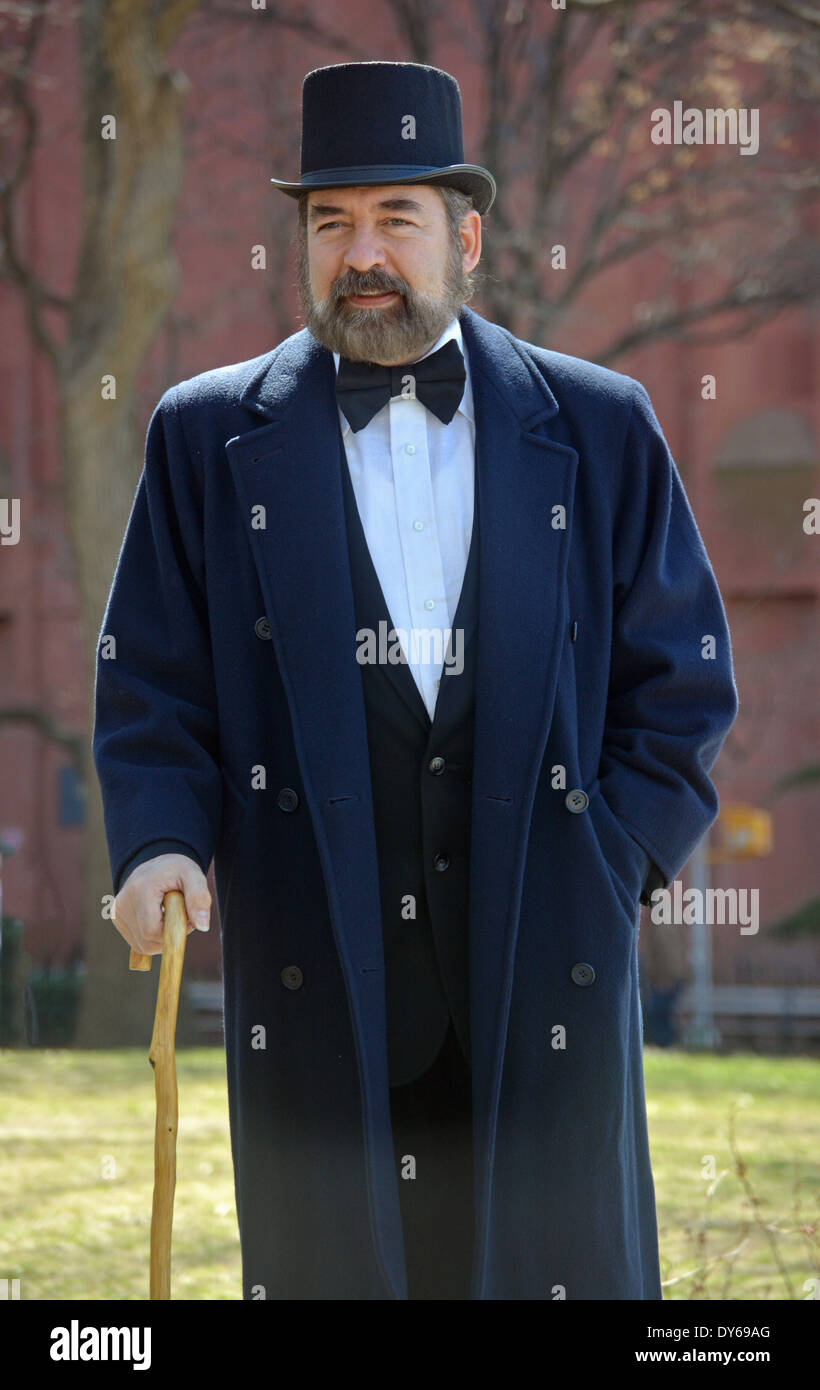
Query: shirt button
(441, 862)
(292, 977)
(262, 629)
(288, 799)
(576, 800)
(418, 525)
(436, 766)
(409, 448)
(429, 603)
(582, 974)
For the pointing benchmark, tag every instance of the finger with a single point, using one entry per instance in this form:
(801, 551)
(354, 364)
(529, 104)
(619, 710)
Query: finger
(197, 898)
(149, 923)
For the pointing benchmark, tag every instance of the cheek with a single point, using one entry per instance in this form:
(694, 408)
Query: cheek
(322, 274)
(427, 267)
(420, 269)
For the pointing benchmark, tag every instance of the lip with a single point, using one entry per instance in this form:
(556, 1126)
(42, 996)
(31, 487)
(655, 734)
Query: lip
(372, 301)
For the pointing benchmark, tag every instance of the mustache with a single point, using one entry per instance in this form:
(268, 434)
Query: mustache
(348, 284)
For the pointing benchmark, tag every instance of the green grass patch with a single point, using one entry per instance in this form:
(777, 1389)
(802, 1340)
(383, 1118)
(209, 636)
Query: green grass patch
(76, 1175)
(734, 1143)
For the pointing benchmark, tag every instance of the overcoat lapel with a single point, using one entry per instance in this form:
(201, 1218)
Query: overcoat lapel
(525, 478)
(289, 468)
(287, 477)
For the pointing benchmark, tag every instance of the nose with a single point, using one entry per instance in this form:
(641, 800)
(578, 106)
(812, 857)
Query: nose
(364, 252)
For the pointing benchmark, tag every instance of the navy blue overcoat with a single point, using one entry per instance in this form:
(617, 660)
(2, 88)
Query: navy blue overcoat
(604, 667)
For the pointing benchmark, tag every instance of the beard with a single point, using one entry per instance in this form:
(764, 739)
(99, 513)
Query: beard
(399, 333)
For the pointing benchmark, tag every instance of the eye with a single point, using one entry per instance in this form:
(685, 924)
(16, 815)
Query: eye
(404, 222)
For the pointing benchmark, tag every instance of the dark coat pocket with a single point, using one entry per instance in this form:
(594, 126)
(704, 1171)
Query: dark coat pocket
(627, 862)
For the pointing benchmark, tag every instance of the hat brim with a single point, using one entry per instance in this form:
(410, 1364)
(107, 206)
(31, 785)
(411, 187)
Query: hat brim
(468, 178)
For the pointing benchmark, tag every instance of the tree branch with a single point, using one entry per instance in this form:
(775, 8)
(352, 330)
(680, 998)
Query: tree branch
(306, 26)
(12, 266)
(170, 21)
(758, 311)
(801, 12)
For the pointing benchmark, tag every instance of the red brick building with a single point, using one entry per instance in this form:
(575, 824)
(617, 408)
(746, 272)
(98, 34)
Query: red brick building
(748, 457)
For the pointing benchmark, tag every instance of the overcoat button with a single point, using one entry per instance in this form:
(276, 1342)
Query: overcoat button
(582, 974)
(436, 766)
(441, 862)
(292, 977)
(262, 629)
(288, 799)
(576, 800)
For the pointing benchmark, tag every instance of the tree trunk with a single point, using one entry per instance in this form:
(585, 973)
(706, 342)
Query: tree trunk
(125, 283)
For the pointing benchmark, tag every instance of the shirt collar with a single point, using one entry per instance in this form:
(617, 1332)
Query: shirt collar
(453, 330)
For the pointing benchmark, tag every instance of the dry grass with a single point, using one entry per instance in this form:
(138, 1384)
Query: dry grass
(76, 1172)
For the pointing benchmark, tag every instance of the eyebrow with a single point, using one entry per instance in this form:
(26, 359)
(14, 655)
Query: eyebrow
(318, 210)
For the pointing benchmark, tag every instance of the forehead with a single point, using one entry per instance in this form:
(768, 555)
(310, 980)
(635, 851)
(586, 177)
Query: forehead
(413, 198)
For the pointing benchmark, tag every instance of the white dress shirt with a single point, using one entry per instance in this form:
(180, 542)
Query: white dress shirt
(413, 478)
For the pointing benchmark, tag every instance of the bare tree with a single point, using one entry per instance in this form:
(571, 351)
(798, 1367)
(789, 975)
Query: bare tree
(96, 338)
(124, 283)
(566, 103)
(567, 98)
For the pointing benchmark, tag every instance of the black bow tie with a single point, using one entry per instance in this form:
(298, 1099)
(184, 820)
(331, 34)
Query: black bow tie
(362, 388)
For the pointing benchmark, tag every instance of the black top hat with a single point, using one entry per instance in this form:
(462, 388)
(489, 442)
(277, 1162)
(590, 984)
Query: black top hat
(366, 123)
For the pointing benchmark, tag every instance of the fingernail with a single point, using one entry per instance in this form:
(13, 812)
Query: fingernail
(201, 920)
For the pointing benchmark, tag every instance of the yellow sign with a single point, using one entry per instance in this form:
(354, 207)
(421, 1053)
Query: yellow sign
(741, 832)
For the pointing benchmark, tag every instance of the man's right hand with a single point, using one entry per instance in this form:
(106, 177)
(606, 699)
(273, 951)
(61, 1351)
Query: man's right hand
(137, 910)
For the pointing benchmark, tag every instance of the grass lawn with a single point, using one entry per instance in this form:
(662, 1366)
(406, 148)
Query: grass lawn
(76, 1175)
(742, 1224)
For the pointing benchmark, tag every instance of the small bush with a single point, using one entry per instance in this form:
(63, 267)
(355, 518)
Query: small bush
(52, 999)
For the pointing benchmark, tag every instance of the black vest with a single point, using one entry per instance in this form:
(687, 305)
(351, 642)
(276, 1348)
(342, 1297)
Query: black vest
(421, 774)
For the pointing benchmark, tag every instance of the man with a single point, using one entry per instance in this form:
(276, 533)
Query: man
(428, 869)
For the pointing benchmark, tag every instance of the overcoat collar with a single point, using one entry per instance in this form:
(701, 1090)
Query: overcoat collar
(287, 476)
(277, 382)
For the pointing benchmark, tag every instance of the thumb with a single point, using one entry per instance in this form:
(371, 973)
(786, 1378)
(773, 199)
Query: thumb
(197, 898)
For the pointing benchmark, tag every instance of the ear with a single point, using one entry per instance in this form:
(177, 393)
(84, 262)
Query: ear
(470, 231)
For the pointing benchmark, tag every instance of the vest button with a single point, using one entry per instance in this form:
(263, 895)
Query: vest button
(262, 629)
(576, 800)
(441, 862)
(288, 799)
(436, 766)
(292, 977)
(582, 974)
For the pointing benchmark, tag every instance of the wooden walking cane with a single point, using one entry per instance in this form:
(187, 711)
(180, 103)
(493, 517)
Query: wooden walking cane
(162, 1059)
